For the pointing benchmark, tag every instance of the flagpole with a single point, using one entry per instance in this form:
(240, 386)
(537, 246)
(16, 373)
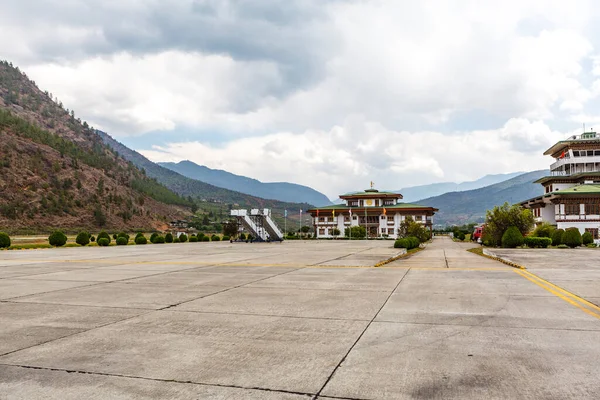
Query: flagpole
(284, 223)
(300, 223)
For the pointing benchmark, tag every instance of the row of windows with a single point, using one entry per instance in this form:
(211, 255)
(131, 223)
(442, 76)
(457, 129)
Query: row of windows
(586, 153)
(575, 209)
(376, 203)
(384, 231)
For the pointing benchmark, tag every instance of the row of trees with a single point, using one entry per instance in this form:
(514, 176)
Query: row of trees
(511, 226)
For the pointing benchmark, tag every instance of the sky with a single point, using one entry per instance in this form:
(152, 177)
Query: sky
(331, 94)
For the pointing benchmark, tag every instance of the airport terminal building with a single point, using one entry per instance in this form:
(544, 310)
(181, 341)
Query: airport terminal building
(571, 196)
(379, 212)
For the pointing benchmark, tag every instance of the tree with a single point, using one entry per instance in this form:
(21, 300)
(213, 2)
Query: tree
(409, 227)
(572, 237)
(230, 228)
(57, 239)
(544, 230)
(500, 218)
(305, 229)
(587, 238)
(99, 217)
(335, 232)
(169, 237)
(357, 232)
(557, 237)
(512, 238)
(194, 208)
(205, 220)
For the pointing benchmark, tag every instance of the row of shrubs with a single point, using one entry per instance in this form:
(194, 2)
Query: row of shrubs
(58, 238)
(410, 242)
(568, 238)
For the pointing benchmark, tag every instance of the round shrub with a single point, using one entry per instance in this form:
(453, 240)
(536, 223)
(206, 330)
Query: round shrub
(153, 237)
(592, 245)
(176, 240)
(562, 246)
(402, 244)
(200, 235)
(122, 241)
(193, 239)
(225, 238)
(205, 239)
(103, 241)
(512, 238)
(215, 238)
(92, 238)
(183, 238)
(572, 237)
(249, 238)
(139, 234)
(103, 235)
(83, 238)
(414, 242)
(587, 238)
(557, 237)
(123, 234)
(243, 236)
(169, 238)
(141, 239)
(57, 238)
(4, 240)
(159, 239)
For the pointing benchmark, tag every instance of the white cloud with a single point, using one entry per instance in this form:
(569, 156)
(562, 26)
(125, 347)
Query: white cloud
(348, 157)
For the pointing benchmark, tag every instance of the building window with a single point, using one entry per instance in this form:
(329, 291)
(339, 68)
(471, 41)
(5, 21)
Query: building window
(353, 203)
(321, 231)
(384, 231)
(418, 218)
(354, 217)
(321, 219)
(383, 217)
(572, 209)
(388, 202)
(592, 209)
(593, 231)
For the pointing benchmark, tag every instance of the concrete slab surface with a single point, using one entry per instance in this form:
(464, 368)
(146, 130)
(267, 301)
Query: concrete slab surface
(300, 319)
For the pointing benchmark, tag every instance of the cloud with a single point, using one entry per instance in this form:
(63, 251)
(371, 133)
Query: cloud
(319, 92)
(349, 156)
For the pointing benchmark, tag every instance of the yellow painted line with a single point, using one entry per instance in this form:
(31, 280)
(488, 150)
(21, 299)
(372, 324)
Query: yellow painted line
(566, 292)
(567, 296)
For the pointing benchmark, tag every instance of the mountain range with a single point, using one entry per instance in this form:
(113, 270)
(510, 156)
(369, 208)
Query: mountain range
(457, 208)
(415, 193)
(282, 191)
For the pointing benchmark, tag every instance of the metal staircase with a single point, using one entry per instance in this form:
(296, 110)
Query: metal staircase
(259, 224)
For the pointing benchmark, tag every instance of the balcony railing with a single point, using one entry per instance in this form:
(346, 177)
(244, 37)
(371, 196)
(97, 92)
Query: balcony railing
(579, 161)
(581, 217)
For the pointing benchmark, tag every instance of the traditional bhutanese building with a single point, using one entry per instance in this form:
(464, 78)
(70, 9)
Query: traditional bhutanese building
(571, 196)
(379, 212)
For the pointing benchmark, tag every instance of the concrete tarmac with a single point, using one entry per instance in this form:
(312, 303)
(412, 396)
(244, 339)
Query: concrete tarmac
(296, 320)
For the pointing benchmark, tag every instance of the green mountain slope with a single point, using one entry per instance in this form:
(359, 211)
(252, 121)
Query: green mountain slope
(282, 191)
(458, 208)
(201, 191)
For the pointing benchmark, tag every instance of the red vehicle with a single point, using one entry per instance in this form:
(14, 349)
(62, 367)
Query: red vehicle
(478, 233)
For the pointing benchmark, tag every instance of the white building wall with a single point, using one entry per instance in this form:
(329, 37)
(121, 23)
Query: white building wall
(548, 214)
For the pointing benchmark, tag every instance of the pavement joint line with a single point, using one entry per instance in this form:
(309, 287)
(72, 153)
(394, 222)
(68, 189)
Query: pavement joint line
(77, 333)
(564, 291)
(228, 289)
(76, 305)
(266, 315)
(344, 256)
(535, 328)
(330, 377)
(107, 374)
(565, 295)
(445, 259)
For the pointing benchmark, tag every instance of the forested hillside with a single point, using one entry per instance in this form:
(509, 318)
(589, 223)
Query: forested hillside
(55, 172)
(197, 190)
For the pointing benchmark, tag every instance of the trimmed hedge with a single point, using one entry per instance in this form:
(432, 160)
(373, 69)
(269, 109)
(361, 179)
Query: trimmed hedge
(587, 238)
(557, 237)
(141, 240)
(183, 238)
(205, 239)
(159, 239)
(122, 241)
(169, 238)
(408, 243)
(193, 239)
(215, 238)
(103, 241)
(83, 238)
(225, 238)
(572, 238)
(153, 237)
(539, 242)
(176, 240)
(57, 239)
(4, 240)
(512, 238)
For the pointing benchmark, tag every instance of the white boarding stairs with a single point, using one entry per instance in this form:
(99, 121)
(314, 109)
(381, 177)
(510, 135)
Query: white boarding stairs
(259, 224)
(249, 224)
